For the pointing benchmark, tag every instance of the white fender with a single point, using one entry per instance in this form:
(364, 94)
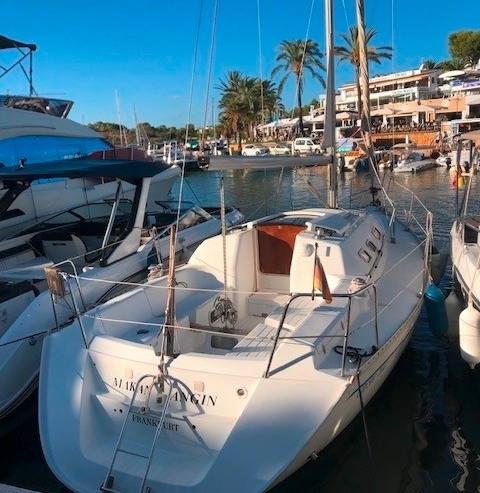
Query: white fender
(469, 333)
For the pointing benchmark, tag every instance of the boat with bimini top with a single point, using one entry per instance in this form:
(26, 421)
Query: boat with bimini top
(116, 240)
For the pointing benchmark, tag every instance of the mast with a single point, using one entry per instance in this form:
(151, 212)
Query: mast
(329, 140)
(364, 81)
(137, 129)
(123, 135)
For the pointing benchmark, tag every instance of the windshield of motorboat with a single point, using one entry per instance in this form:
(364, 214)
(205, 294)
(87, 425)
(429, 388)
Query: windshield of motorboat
(94, 212)
(33, 149)
(55, 107)
(188, 218)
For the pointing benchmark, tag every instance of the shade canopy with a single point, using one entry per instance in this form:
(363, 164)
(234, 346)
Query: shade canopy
(383, 112)
(346, 115)
(472, 135)
(417, 108)
(7, 43)
(79, 168)
(451, 73)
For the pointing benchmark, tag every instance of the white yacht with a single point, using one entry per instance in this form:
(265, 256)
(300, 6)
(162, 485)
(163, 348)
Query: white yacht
(115, 240)
(28, 138)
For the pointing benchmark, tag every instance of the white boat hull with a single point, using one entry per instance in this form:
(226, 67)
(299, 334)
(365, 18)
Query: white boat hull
(414, 166)
(233, 422)
(465, 253)
(31, 316)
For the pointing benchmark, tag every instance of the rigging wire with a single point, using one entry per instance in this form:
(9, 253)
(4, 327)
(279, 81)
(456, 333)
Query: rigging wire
(260, 60)
(209, 72)
(364, 419)
(299, 81)
(189, 116)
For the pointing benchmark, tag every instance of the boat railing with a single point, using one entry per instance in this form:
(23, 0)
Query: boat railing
(58, 283)
(394, 199)
(462, 207)
(346, 333)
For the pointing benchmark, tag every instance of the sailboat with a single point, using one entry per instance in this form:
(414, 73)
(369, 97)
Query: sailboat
(234, 370)
(465, 255)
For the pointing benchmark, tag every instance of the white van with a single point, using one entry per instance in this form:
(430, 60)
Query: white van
(305, 145)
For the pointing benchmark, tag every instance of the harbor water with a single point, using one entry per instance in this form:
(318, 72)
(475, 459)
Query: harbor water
(420, 434)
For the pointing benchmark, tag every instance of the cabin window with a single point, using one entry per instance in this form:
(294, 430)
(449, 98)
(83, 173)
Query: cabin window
(371, 245)
(376, 233)
(365, 256)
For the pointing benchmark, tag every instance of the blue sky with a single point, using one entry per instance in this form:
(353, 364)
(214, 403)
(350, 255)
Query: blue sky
(152, 57)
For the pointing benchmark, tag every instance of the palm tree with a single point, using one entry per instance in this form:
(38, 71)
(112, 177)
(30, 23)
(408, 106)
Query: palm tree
(298, 57)
(453, 64)
(244, 101)
(231, 116)
(351, 53)
(266, 102)
(430, 65)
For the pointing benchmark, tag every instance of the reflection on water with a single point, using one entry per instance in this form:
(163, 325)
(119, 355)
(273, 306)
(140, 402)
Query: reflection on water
(423, 426)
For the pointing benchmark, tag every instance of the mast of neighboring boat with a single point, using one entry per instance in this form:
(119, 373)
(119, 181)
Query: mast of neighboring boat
(123, 134)
(137, 128)
(330, 116)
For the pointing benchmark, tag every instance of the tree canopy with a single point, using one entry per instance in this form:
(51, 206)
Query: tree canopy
(465, 45)
(296, 58)
(246, 101)
(351, 53)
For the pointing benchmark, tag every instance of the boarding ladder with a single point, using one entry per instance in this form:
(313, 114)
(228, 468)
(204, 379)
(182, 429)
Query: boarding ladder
(108, 484)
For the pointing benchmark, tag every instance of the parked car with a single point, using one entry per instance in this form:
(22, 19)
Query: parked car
(254, 150)
(279, 149)
(306, 145)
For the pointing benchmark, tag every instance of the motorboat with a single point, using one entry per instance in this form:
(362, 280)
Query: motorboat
(411, 161)
(465, 255)
(444, 159)
(30, 138)
(235, 369)
(172, 153)
(36, 129)
(354, 155)
(116, 240)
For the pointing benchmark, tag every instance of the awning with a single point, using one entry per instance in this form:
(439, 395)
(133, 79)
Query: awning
(473, 101)
(79, 168)
(448, 110)
(451, 73)
(286, 122)
(473, 135)
(7, 43)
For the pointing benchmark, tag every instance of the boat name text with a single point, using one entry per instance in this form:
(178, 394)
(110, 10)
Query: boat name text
(177, 396)
(144, 420)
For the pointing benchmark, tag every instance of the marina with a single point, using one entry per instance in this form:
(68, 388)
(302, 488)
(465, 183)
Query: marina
(323, 336)
(427, 408)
